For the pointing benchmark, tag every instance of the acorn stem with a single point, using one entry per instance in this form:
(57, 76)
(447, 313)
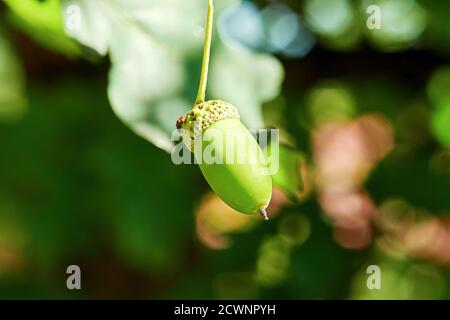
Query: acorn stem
(263, 213)
(206, 53)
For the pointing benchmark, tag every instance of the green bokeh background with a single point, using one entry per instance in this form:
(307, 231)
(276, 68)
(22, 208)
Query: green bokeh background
(77, 186)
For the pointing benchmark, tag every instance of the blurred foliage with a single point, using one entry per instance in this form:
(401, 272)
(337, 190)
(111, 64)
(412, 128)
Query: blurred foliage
(288, 177)
(364, 181)
(13, 100)
(161, 35)
(43, 21)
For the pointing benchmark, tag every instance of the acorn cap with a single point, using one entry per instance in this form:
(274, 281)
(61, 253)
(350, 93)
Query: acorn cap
(202, 116)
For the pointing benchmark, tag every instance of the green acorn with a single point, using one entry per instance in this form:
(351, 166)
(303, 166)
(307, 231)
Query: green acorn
(229, 157)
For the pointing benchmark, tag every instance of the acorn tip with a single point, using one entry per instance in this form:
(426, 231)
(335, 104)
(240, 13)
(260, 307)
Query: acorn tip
(263, 213)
